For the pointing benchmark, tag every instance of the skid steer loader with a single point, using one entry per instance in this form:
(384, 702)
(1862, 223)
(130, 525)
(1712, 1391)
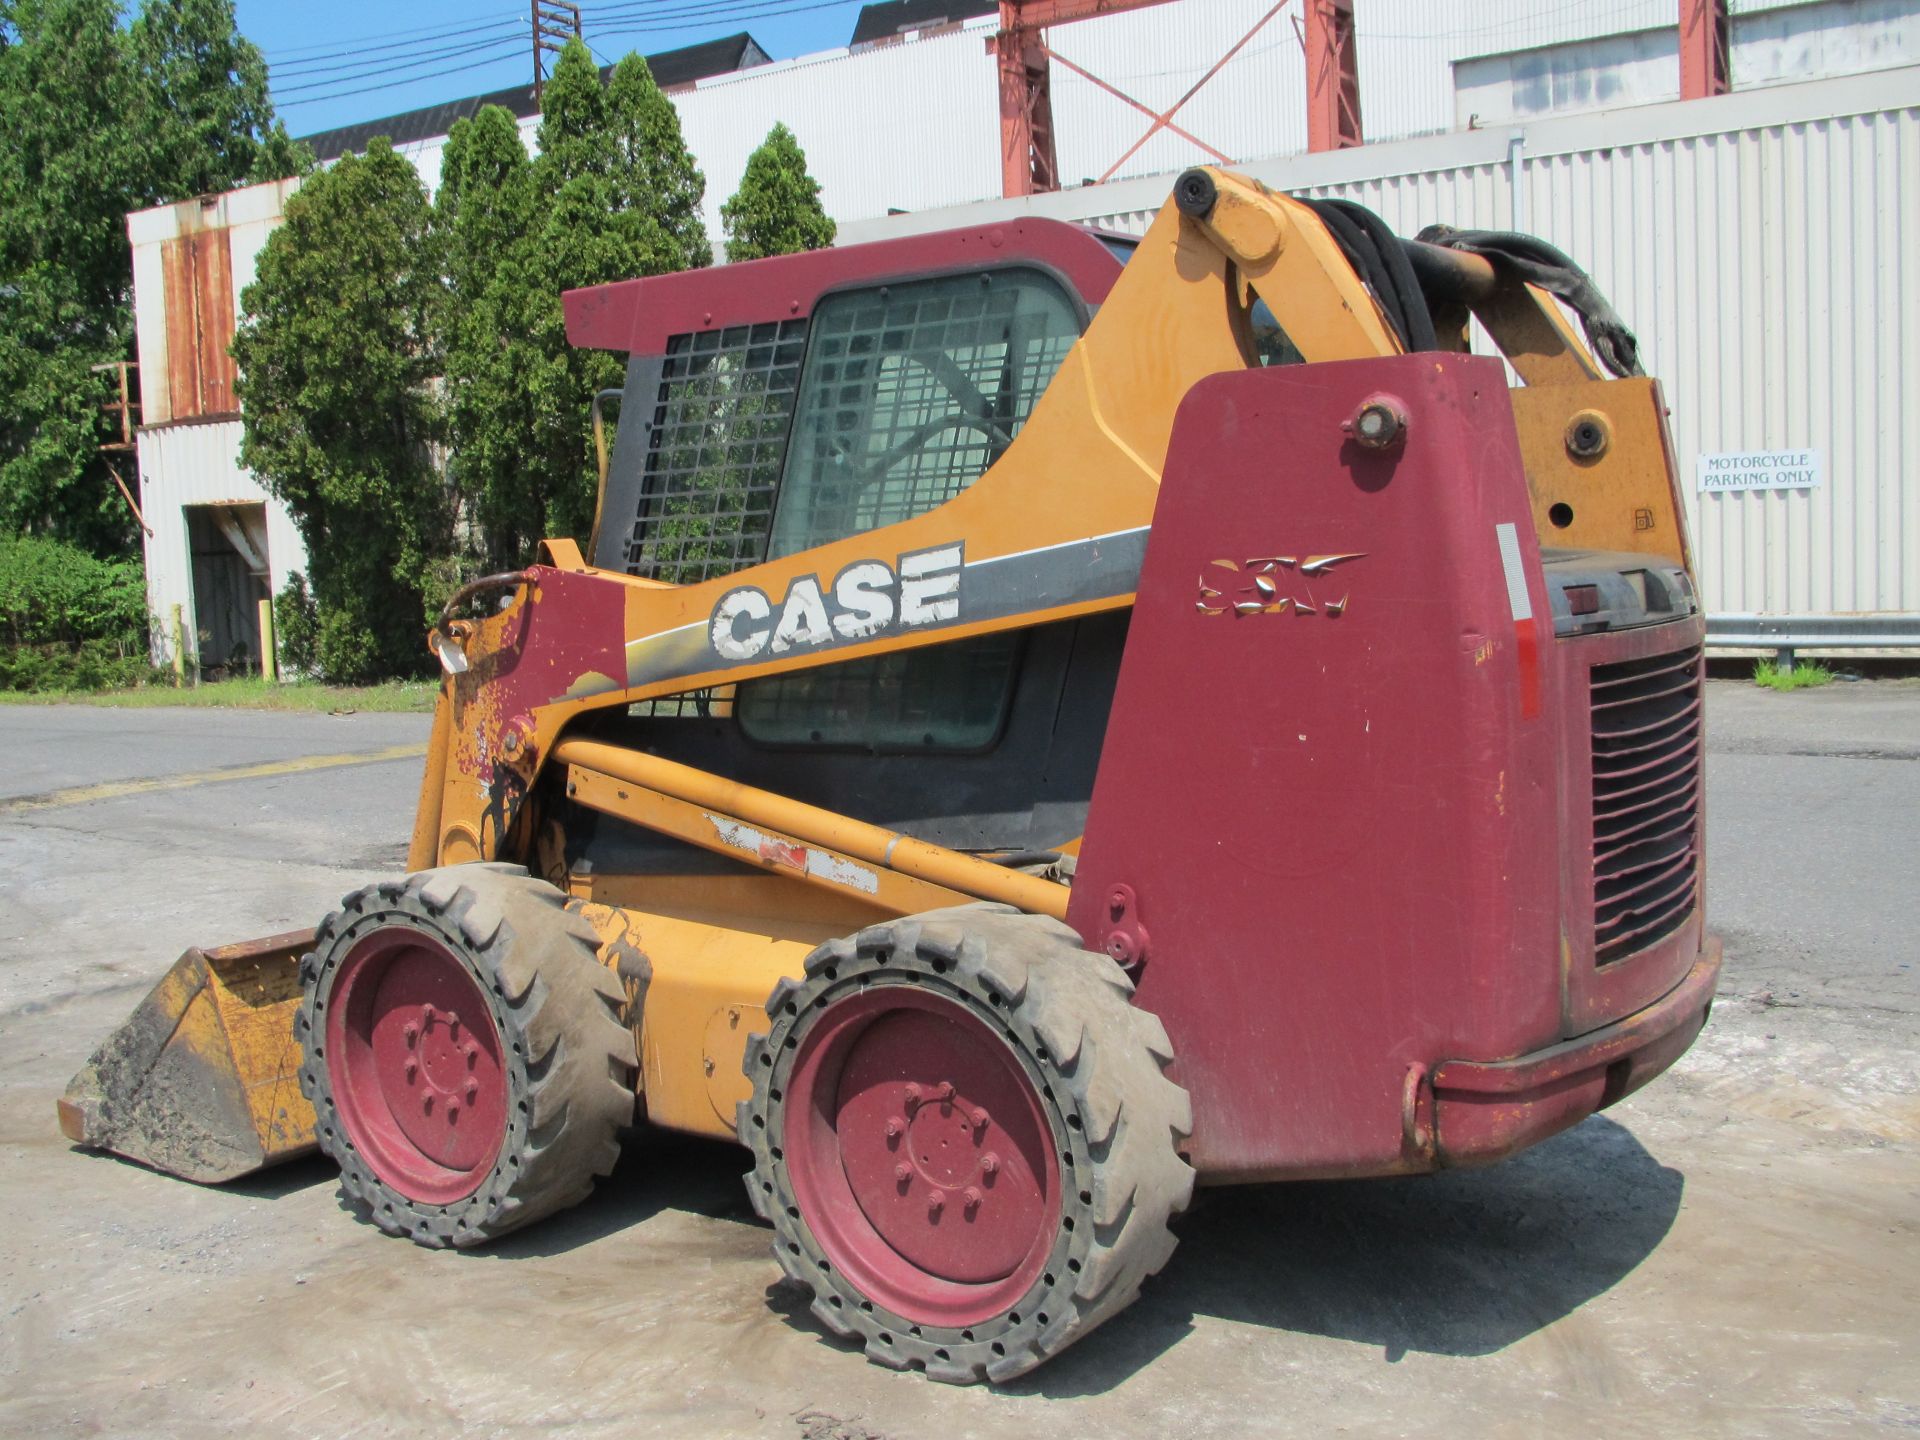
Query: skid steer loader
(1042, 719)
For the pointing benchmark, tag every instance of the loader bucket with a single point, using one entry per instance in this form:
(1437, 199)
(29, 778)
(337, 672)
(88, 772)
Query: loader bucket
(203, 1080)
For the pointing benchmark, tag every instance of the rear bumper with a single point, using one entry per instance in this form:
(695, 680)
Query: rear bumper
(1485, 1110)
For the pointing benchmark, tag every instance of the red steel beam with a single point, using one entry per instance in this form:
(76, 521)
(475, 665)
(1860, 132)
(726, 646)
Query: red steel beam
(1028, 161)
(1160, 121)
(1333, 77)
(1704, 69)
(1163, 120)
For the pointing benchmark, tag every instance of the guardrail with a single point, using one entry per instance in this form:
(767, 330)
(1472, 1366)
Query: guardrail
(1785, 634)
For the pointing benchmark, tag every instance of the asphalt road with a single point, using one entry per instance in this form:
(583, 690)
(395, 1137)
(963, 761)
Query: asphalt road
(1728, 1252)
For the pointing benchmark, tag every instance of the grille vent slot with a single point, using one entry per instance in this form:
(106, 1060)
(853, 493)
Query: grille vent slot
(1647, 778)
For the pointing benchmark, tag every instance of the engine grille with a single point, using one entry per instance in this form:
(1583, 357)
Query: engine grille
(1646, 800)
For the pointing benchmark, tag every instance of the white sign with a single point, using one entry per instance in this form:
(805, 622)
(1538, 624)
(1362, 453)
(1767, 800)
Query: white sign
(1758, 470)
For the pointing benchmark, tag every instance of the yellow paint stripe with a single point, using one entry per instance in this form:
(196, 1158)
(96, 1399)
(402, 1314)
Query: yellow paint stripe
(119, 789)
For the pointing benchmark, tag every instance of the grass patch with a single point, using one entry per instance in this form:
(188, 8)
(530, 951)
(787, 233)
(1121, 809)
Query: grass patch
(393, 697)
(1806, 675)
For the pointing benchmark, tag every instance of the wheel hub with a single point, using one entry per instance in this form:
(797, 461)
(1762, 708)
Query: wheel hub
(932, 1128)
(416, 1065)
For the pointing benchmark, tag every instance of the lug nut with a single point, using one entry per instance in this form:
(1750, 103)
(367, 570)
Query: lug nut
(412, 1069)
(936, 1202)
(989, 1163)
(979, 1118)
(944, 1092)
(453, 1111)
(473, 1091)
(411, 1032)
(896, 1127)
(903, 1172)
(971, 1198)
(913, 1096)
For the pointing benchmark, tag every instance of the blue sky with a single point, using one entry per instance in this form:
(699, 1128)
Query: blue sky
(429, 51)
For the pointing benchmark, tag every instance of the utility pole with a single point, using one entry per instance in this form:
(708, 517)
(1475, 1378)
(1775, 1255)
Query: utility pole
(554, 22)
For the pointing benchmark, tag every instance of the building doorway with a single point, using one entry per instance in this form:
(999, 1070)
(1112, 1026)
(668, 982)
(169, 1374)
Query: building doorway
(228, 544)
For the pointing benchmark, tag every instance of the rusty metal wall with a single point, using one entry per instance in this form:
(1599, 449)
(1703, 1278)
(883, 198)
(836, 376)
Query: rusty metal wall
(1766, 247)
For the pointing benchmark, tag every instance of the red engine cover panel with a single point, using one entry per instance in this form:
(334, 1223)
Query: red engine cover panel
(1326, 810)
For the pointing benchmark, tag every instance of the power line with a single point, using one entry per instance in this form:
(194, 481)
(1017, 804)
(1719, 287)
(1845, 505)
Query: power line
(392, 84)
(633, 18)
(354, 42)
(373, 66)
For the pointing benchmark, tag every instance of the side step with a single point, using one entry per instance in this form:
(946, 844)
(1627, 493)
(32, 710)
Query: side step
(203, 1079)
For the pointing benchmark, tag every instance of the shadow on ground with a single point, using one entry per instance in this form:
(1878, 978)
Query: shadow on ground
(1463, 1263)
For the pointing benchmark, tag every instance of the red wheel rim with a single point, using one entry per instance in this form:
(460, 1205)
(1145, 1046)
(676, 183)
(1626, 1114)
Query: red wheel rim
(920, 1156)
(414, 1059)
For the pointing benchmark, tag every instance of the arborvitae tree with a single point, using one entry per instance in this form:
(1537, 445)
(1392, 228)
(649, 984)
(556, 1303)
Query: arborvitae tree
(574, 139)
(97, 120)
(776, 210)
(656, 171)
(611, 195)
(590, 234)
(485, 213)
(337, 353)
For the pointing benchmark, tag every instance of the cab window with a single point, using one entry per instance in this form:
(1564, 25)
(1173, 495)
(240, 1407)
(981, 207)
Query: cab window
(908, 393)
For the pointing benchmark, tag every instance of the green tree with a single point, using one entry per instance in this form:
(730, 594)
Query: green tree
(485, 211)
(98, 120)
(776, 210)
(67, 169)
(338, 351)
(611, 195)
(655, 170)
(202, 90)
(592, 231)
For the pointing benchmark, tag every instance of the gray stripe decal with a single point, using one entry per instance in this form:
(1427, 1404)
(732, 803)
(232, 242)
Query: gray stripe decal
(1098, 567)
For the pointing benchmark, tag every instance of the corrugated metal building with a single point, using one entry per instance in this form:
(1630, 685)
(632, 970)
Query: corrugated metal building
(1763, 242)
(1765, 245)
(218, 543)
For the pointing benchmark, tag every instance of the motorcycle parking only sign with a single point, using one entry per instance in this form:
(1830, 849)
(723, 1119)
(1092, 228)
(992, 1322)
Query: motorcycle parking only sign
(1758, 470)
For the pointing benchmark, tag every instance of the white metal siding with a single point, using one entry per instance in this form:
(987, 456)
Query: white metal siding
(1254, 106)
(193, 464)
(1766, 248)
(902, 126)
(1772, 275)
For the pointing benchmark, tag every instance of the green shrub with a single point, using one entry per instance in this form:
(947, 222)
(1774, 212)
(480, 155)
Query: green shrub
(296, 628)
(68, 620)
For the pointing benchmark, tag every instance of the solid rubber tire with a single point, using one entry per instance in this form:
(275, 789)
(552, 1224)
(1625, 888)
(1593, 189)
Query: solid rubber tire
(560, 1014)
(1117, 1121)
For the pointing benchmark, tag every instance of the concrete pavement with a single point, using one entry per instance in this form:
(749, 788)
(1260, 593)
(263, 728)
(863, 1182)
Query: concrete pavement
(1728, 1252)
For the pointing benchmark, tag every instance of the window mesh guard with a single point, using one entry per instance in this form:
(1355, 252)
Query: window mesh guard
(714, 451)
(912, 392)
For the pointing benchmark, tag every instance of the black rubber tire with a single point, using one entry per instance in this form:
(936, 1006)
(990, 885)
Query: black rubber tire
(560, 1013)
(1099, 1063)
